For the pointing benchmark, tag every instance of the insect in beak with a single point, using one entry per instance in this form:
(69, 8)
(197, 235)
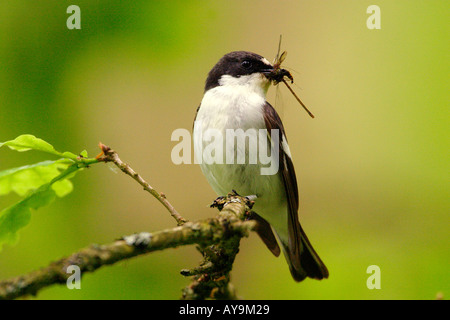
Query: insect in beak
(277, 75)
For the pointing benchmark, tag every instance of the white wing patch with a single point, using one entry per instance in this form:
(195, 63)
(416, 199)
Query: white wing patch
(285, 147)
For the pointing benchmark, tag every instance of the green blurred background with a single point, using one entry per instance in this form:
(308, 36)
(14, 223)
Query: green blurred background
(372, 166)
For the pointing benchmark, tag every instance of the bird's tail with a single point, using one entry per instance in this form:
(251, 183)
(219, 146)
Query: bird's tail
(304, 262)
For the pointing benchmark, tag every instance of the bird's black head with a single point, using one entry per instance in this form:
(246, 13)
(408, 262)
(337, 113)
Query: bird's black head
(237, 64)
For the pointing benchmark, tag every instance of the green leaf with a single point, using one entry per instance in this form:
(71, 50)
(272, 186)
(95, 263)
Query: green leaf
(84, 154)
(30, 177)
(17, 216)
(40, 183)
(28, 142)
(62, 187)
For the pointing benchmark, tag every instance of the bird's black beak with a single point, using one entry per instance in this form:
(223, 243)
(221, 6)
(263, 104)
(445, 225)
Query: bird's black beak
(268, 72)
(277, 75)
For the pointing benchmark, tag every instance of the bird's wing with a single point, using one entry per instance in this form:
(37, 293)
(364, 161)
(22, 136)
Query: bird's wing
(303, 260)
(286, 170)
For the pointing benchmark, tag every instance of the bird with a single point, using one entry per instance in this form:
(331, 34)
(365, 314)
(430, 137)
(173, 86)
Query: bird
(234, 100)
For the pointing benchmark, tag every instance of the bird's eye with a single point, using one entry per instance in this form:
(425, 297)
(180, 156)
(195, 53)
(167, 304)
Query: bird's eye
(246, 64)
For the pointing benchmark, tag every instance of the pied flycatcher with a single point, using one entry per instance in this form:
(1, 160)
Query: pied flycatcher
(235, 99)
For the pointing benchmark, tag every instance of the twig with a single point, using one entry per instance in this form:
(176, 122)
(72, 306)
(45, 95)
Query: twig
(109, 155)
(226, 227)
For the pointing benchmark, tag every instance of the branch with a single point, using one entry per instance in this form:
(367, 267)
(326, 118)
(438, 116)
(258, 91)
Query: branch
(227, 228)
(109, 155)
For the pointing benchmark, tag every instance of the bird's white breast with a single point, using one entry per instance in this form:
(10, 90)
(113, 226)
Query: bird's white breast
(235, 105)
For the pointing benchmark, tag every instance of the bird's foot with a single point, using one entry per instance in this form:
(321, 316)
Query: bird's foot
(221, 201)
